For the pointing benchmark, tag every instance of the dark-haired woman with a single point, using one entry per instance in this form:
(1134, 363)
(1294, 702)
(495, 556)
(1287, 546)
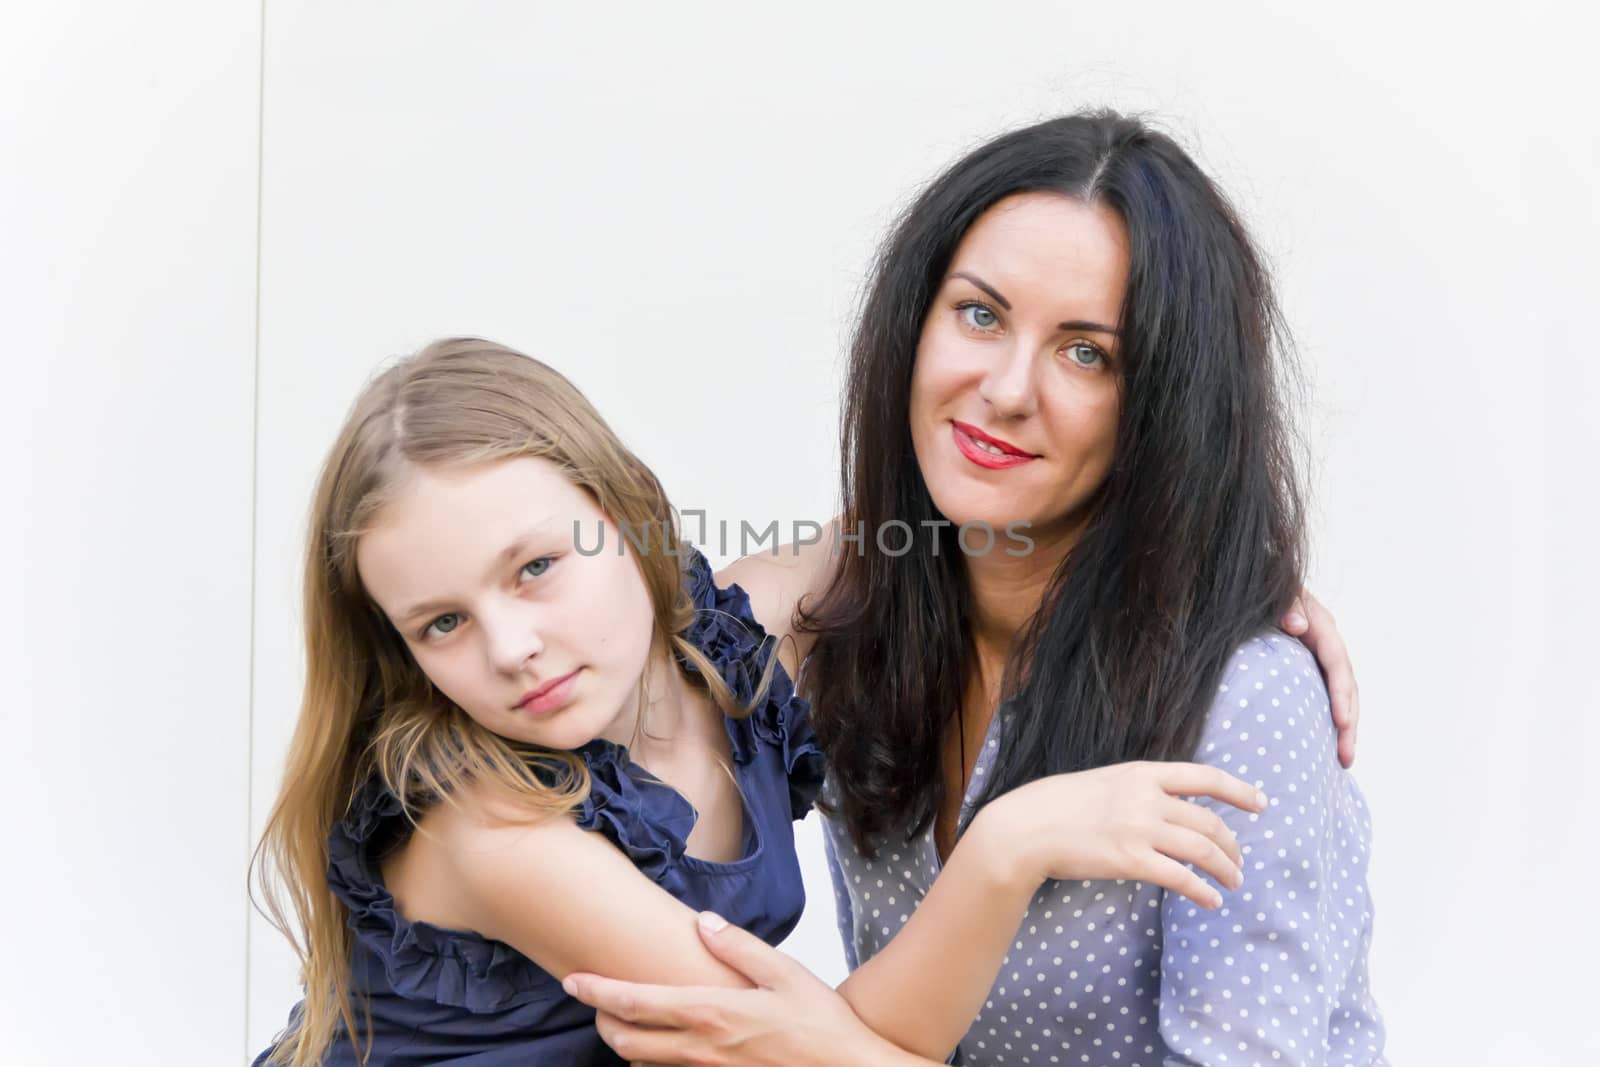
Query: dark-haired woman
(1070, 338)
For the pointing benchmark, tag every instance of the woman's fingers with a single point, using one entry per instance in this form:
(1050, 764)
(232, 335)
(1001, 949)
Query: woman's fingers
(1193, 817)
(1198, 780)
(1188, 846)
(631, 1002)
(752, 957)
(639, 1044)
(1294, 621)
(1170, 874)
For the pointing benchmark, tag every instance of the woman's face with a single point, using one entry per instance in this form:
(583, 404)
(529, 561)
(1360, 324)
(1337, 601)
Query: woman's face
(1015, 393)
(477, 569)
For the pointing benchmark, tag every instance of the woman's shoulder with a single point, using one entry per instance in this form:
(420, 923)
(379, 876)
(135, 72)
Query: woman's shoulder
(1270, 705)
(1272, 679)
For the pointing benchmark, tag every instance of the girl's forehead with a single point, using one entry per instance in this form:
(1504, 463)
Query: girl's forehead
(445, 525)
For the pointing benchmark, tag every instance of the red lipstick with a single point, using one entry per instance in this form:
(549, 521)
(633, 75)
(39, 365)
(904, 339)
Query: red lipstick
(970, 441)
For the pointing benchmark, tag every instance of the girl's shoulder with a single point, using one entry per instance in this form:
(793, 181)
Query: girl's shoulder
(420, 939)
(777, 581)
(728, 630)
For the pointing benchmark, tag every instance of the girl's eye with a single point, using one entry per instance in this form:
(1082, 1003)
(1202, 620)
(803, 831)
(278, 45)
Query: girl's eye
(436, 627)
(978, 317)
(536, 567)
(1085, 355)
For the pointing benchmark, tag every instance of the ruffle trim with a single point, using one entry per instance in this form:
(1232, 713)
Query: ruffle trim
(421, 961)
(726, 631)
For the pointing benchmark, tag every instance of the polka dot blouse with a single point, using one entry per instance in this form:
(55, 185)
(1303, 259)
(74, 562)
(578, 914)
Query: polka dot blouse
(1124, 973)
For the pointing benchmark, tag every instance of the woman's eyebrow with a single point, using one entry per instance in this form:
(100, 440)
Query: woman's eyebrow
(1069, 326)
(1086, 325)
(985, 286)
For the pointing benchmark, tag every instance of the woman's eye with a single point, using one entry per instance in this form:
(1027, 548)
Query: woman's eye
(978, 317)
(536, 567)
(1085, 355)
(436, 625)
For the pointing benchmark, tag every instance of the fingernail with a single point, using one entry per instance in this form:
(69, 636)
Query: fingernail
(1296, 619)
(711, 922)
(570, 984)
(1261, 800)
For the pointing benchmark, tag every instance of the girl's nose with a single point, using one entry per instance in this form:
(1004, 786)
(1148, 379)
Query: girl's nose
(513, 638)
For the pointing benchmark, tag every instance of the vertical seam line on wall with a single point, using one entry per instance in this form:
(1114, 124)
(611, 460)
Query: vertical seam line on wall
(255, 466)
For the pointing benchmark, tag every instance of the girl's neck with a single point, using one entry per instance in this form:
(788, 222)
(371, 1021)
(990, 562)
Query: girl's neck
(650, 719)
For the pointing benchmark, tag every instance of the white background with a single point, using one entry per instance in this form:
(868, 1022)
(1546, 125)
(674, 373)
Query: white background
(218, 216)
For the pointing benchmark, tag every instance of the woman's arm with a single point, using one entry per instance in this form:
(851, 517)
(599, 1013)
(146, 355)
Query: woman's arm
(777, 582)
(925, 987)
(923, 990)
(791, 1020)
(1282, 967)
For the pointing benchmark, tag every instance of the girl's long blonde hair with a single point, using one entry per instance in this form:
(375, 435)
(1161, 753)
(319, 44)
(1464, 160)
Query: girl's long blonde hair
(367, 708)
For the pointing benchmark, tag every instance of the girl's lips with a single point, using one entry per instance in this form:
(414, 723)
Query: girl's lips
(968, 438)
(551, 696)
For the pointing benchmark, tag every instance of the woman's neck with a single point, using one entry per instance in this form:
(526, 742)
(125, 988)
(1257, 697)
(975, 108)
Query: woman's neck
(1006, 593)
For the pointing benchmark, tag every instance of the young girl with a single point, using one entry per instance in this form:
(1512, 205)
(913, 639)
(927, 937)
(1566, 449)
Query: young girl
(537, 737)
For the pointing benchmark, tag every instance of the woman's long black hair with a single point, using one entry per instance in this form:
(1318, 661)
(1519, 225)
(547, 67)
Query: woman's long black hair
(1196, 542)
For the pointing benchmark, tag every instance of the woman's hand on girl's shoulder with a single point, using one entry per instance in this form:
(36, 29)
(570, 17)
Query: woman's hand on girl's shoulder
(1128, 820)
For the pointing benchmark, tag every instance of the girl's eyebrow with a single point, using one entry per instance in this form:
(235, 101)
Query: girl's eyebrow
(507, 556)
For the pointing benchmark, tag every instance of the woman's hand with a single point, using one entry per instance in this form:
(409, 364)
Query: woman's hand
(1128, 820)
(1310, 622)
(792, 1018)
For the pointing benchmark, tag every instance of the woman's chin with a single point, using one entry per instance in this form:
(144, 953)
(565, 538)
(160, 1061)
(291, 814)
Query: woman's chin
(963, 507)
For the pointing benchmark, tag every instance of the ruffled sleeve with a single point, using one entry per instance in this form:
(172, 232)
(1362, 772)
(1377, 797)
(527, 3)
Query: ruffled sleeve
(727, 632)
(649, 821)
(420, 960)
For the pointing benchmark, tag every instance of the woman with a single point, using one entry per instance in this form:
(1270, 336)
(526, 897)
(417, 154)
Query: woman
(1069, 332)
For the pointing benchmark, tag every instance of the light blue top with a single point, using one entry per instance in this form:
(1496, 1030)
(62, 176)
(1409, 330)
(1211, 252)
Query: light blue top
(1123, 973)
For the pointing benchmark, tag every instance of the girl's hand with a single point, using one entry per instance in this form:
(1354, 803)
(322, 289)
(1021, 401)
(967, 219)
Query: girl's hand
(1124, 821)
(792, 1018)
(1310, 622)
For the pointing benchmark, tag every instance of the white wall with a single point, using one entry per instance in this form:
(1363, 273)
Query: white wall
(675, 206)
(128, 158)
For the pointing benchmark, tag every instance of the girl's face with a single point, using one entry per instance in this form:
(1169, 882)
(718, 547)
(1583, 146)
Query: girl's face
(477, 569)
(1015, 392)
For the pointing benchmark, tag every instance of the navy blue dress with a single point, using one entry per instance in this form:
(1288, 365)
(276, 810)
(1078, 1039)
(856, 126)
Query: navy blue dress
(441, 996)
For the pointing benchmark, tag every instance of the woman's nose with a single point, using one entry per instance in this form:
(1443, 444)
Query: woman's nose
(1008, 386)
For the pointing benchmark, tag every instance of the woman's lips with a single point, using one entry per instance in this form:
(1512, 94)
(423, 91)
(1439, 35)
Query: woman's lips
(552, 696)
(971, 441)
